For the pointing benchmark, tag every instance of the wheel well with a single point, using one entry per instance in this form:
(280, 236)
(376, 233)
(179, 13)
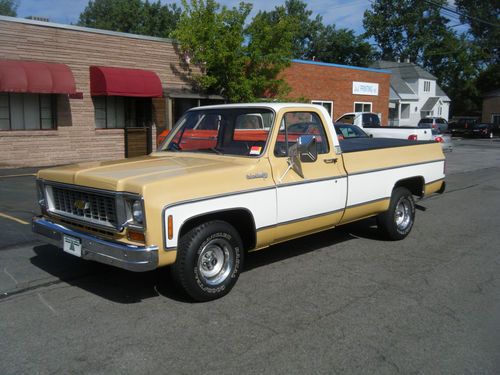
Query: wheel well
(414, 184)
(240, 218)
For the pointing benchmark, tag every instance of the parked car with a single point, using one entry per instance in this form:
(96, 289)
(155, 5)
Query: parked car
(434, 123)
(346, 131)
(443, 139)
(463, 126)
(483, 130)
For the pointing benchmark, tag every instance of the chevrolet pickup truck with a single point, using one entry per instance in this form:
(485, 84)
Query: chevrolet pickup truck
(216, 189)
(370, 123)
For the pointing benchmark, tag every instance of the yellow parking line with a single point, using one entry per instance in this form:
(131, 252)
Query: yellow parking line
(13, 219)
(18, 175)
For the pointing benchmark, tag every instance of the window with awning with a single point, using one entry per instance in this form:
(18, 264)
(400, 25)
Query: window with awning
(122, 96)
(29, 92)
(19, 76)
(112, 81)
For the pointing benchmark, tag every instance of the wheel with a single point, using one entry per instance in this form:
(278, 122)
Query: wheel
(396, 223)
(209, 260)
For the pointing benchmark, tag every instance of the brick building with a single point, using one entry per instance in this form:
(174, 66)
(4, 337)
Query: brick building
(70, 94)
(340, 88)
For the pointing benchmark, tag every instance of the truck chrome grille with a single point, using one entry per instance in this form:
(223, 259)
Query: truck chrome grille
(85, 206)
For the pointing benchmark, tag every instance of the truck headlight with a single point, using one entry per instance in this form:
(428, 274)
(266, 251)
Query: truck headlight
(137, 212)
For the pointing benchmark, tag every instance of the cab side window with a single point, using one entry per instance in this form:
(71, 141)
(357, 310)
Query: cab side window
(370, 119)
(295, 124)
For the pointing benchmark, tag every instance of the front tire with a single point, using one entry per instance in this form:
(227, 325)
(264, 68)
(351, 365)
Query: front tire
(396, 223)
(209, 260)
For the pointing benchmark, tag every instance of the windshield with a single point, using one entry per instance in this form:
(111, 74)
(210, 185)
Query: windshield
(347, 119)
(349, 131)
(229, 131)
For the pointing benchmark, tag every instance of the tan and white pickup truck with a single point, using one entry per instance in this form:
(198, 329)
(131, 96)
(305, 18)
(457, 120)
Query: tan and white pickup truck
(231, 179)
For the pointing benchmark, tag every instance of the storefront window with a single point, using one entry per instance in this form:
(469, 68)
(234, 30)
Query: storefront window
(27, 111)
(181, 105)
(118, 112)
(328, 104)
(362, 107)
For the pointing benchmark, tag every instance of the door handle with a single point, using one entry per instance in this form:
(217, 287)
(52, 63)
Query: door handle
(330, 161)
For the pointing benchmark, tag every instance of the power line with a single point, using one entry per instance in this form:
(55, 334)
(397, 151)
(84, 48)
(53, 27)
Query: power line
(461, 14)
(453, 13)
(457, 25)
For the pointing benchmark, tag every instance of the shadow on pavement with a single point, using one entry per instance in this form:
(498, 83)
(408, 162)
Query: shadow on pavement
(108, 282)
(127, 287)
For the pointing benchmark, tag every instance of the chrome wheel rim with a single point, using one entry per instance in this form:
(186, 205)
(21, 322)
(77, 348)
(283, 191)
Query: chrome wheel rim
(402, 216)
(215, 261)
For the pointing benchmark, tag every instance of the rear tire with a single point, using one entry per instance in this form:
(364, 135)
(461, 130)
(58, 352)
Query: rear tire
(209, 260)
(396, 223)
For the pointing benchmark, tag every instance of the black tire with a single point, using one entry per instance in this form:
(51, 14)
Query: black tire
(396, 223)
(209, 260)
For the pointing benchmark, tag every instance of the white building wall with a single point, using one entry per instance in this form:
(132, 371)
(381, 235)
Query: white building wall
(410, 121)
(418, 86)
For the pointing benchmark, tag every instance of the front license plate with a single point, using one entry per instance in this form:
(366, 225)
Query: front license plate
(72, 245)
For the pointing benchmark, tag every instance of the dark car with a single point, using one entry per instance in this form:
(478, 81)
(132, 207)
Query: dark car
(482, 130)
(346, 131)
(463, 126)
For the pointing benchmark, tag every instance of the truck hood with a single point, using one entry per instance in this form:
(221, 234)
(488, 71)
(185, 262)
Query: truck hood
(132, 174)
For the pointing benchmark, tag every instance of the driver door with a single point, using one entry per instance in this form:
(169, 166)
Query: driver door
(317, 200)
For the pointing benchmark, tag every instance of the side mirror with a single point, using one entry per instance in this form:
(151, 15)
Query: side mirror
(307, 148)
(304, 151)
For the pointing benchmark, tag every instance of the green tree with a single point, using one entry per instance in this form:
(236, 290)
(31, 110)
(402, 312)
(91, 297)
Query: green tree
(404, 28)
(8, 8)
(483, 18)
(212, 38)
(305, 28)
(418, 30)
(270, 49)
(160, 20)
(489, 79)
(311, 39)
(131, 16)
(238, 62)
(340, 46)
(454, 61)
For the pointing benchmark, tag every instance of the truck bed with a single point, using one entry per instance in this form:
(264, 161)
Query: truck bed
(365, 144)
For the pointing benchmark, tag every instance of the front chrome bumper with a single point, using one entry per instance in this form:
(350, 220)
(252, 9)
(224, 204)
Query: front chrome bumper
(126, 256)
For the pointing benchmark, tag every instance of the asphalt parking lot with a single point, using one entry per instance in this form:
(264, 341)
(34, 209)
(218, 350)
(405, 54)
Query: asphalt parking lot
(343, 301)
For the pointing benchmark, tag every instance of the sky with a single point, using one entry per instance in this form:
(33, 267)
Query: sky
(342, 13)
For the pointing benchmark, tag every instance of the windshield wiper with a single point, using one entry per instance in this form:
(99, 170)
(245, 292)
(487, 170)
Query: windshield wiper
(213, 149)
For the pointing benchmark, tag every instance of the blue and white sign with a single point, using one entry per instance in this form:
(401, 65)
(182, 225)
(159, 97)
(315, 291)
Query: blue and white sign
(365, 88)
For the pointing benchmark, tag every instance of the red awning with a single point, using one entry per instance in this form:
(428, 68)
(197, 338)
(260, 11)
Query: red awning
(36, 77)
(106, 80)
